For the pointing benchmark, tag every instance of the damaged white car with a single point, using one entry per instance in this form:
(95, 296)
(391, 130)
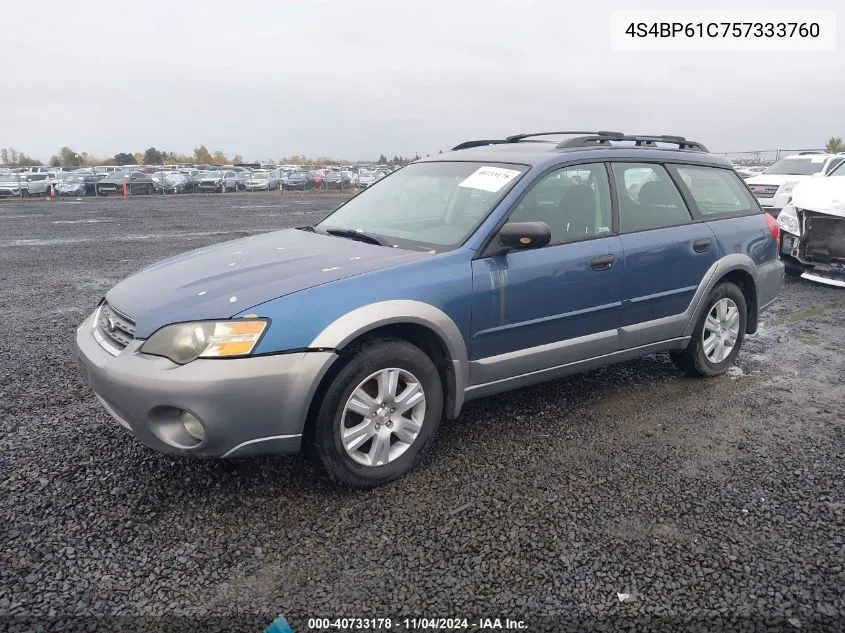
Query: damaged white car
(813, 229)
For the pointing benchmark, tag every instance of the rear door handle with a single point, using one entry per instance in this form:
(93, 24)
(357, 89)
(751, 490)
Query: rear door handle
(701, 246)
(602, 262)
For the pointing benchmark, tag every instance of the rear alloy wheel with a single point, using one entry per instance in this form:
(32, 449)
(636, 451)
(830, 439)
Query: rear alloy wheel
(718, 336)
(378, 415)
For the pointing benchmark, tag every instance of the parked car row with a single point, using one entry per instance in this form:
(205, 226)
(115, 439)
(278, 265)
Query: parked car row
(774, 186)
(23, 185)
(177, 179)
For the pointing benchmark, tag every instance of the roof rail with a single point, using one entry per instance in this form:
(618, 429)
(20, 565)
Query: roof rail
(518, 137)
(589, 139)
(468, 144)
(639, 140)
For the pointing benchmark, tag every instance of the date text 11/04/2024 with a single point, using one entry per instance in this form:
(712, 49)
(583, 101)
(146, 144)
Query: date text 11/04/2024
(416, 624)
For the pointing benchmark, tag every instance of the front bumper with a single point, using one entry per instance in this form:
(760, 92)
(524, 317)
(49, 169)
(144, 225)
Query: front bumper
(248, 406)
(831, 273)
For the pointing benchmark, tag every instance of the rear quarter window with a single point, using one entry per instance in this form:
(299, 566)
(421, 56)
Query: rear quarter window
(717, 192)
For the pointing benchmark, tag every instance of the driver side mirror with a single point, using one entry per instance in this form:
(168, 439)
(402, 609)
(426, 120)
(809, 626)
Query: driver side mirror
(524, 235)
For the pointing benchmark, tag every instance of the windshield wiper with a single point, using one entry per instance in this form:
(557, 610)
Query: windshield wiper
(354, 234)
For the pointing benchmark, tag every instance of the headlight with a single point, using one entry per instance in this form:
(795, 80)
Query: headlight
(184, 342)
(788, 220)
(788, 186)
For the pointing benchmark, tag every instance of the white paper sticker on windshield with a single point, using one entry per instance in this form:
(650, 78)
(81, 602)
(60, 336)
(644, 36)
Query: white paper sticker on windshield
(489, 178)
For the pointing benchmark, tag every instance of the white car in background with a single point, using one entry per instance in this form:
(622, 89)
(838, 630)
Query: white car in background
(813, 228)
(36, 183)
(774, 186)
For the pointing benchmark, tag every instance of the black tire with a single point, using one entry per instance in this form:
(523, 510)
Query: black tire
(322, 441)
(693, 359)
(794, 270)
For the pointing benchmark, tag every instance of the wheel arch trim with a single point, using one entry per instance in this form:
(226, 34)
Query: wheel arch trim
(352, 325)
(715, 274)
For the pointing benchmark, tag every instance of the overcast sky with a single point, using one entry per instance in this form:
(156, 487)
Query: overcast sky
(355, 78)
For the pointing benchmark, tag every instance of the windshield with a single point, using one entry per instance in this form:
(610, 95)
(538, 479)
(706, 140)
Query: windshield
(75, 178)
(260, 175)
(435, 205)
(797, 166)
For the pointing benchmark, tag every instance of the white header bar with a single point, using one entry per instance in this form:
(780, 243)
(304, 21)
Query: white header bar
(741, 30)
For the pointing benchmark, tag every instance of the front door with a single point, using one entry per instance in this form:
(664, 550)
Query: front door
(540, 308)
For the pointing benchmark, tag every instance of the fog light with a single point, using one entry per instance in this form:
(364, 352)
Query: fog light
(193, 426)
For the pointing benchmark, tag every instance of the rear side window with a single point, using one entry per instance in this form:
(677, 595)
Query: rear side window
(717, 191)
(648, 198)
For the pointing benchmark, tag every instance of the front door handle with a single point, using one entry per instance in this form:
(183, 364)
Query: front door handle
(602, 262)
(701, 246)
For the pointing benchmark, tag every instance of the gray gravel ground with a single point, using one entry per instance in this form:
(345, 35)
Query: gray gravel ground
(716, 504)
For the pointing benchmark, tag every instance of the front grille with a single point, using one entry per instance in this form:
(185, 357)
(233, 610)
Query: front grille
(115, 330)
(764, 191)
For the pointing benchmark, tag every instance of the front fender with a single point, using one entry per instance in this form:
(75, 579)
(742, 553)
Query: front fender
(359, 321)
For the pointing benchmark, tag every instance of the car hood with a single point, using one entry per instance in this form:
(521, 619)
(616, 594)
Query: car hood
(823, 195)
(774, 179)
(225, 279)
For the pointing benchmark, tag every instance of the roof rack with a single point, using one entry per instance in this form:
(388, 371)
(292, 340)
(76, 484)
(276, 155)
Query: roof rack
(639, 140)
(520, 137)
(590, 139)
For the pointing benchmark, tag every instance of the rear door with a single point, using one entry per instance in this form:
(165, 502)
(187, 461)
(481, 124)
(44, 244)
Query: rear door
(667, 253)
(540, 308)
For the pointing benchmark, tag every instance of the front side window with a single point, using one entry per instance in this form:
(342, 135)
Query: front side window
(574, 202)
(648, 199)
(434, 205)
(717, 191)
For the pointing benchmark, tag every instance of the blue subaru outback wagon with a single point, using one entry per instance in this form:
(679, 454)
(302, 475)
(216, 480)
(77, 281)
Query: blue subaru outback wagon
(496, 265)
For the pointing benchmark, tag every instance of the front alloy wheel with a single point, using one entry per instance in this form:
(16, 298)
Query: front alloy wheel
(378, 412)
(383, 417)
